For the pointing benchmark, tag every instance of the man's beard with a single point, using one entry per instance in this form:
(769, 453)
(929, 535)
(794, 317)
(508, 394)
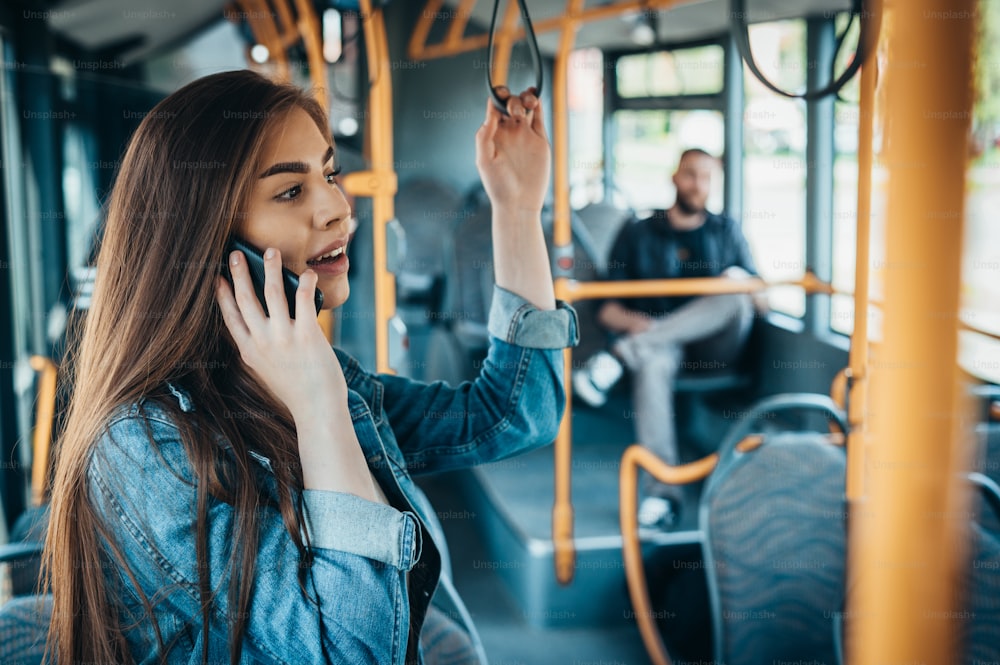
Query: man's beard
(687, 207)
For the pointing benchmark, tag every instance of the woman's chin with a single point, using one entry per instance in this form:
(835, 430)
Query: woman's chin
(335, 295)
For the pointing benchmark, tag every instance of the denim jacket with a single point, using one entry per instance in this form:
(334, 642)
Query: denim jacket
(375, 567)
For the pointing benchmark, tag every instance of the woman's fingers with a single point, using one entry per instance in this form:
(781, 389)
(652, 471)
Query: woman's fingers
(526, 106)
(231, 312)
(305, 294)
(537, 116)
(485, 148)
(274, 287)
(528, 100)
(249, 307)
(500, 133)
(515, 108)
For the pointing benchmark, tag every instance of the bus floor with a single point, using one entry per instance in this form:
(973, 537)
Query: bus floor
(508, 638)
(519, 490)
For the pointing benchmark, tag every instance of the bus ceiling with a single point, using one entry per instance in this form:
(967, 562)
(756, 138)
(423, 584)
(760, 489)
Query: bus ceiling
(131, 30)
(612, 25)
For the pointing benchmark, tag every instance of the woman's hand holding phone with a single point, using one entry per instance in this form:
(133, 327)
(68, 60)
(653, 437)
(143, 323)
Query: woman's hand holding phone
(255, 263)
(294, 360)
(291, 357)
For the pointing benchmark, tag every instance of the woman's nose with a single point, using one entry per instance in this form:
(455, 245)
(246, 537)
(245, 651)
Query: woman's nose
(331, 209)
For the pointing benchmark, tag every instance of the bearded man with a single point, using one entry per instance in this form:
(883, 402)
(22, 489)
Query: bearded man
(654, 337)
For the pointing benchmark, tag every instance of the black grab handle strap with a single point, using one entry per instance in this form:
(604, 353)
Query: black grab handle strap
(867, 37)
(536, 55)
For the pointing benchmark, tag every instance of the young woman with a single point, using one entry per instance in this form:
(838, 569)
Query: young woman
(229, 488)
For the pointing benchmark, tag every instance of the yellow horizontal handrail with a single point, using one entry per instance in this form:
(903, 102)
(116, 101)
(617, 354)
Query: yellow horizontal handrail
(574, 290)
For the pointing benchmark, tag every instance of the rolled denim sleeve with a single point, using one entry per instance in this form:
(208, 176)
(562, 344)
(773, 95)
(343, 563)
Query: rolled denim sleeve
(516, 321)
(348, 523)
(514, 405)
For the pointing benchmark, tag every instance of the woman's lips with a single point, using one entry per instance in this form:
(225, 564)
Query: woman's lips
(331, 267)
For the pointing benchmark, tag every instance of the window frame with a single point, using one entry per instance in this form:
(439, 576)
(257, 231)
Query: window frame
(720, 102)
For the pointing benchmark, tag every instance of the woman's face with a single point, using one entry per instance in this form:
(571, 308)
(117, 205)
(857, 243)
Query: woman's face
(297, 207)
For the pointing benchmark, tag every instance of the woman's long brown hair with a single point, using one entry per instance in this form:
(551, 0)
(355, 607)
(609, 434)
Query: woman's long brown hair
(182, 189)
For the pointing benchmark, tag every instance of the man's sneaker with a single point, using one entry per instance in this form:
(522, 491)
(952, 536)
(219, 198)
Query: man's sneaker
(595, 379)
(658, 513)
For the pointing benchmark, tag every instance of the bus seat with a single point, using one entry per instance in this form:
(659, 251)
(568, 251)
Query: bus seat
(988, 463)
(24, 620)
(460, 342)
(31, 525)
(775, 533)
(982, 600)
(427, 209)
(602, 221)
(772, 529)
(980, 617)
(459, 337)
(29, 530)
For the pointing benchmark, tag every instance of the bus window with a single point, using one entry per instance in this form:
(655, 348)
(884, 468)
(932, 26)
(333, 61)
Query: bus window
(586, 119)
(774, 167)
(846, 116)
(664, 102)
(648, 146)
(81, 164)
(690, 71)
(980, 354)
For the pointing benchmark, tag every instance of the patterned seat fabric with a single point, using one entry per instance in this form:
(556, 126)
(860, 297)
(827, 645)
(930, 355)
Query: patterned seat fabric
(981, 629)
(776, 550)
(24, 622)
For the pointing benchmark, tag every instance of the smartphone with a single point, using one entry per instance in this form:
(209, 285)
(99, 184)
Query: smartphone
(255, 262)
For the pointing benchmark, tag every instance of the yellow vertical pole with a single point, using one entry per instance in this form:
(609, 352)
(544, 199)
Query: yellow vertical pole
(458, 24)
(266, 32)
(422, 29)
(311, 31)
(562, 510)
(858, 361)
(503, 44)
(44, 418)
(380, 182)
(907, 545)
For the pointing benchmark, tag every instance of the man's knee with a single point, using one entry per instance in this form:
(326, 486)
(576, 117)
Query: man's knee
(662, 361)
(733, 305)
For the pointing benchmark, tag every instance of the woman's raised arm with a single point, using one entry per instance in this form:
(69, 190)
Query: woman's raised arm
(514, 160)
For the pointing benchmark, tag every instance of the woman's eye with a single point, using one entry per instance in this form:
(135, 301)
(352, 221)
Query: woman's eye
(291, 193)
(331, 177)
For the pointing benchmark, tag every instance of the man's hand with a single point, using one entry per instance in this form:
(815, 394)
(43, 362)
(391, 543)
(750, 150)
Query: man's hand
(760, 302)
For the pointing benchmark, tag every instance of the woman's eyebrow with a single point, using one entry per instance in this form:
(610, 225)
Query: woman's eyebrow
(294, 167)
